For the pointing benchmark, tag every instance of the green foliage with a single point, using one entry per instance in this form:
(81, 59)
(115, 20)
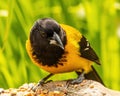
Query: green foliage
(98, 20)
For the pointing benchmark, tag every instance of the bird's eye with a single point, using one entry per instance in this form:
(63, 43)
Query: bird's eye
(43, 34)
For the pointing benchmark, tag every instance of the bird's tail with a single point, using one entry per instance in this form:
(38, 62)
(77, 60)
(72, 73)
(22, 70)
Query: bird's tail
(93, 75)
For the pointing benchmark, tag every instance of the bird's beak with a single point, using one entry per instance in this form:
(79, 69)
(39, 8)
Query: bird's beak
(56, 40)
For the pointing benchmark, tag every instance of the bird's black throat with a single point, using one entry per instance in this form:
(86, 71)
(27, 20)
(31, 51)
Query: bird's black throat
(50, 56)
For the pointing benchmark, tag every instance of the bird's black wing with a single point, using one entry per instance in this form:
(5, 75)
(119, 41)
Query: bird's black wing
(86, 51)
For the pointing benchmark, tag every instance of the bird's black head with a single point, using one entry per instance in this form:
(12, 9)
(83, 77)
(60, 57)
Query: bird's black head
(48, 40)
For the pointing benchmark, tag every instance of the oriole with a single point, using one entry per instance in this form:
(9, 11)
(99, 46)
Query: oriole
(59, 48)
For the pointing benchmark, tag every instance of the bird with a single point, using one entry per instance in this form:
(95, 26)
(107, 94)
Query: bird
(60, 48)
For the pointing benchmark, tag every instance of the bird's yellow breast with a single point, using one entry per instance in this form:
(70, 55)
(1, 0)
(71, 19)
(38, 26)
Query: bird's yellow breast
(71, 59)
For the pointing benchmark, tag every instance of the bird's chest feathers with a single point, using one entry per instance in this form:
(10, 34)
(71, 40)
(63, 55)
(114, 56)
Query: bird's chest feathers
(50, 56)
(70, 61)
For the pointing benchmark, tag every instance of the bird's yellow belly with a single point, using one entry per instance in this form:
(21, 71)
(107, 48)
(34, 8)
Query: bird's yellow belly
(72, 64)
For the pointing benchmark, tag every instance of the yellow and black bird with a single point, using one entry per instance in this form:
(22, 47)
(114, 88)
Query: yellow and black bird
(59, 48)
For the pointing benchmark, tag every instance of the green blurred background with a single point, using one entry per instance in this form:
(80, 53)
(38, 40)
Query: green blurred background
(98, 20)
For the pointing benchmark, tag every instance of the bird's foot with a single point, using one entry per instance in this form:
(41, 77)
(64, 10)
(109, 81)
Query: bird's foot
(76, 81)
(40, 83)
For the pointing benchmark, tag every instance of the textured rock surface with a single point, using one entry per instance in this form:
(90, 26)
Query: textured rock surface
(59, 88)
